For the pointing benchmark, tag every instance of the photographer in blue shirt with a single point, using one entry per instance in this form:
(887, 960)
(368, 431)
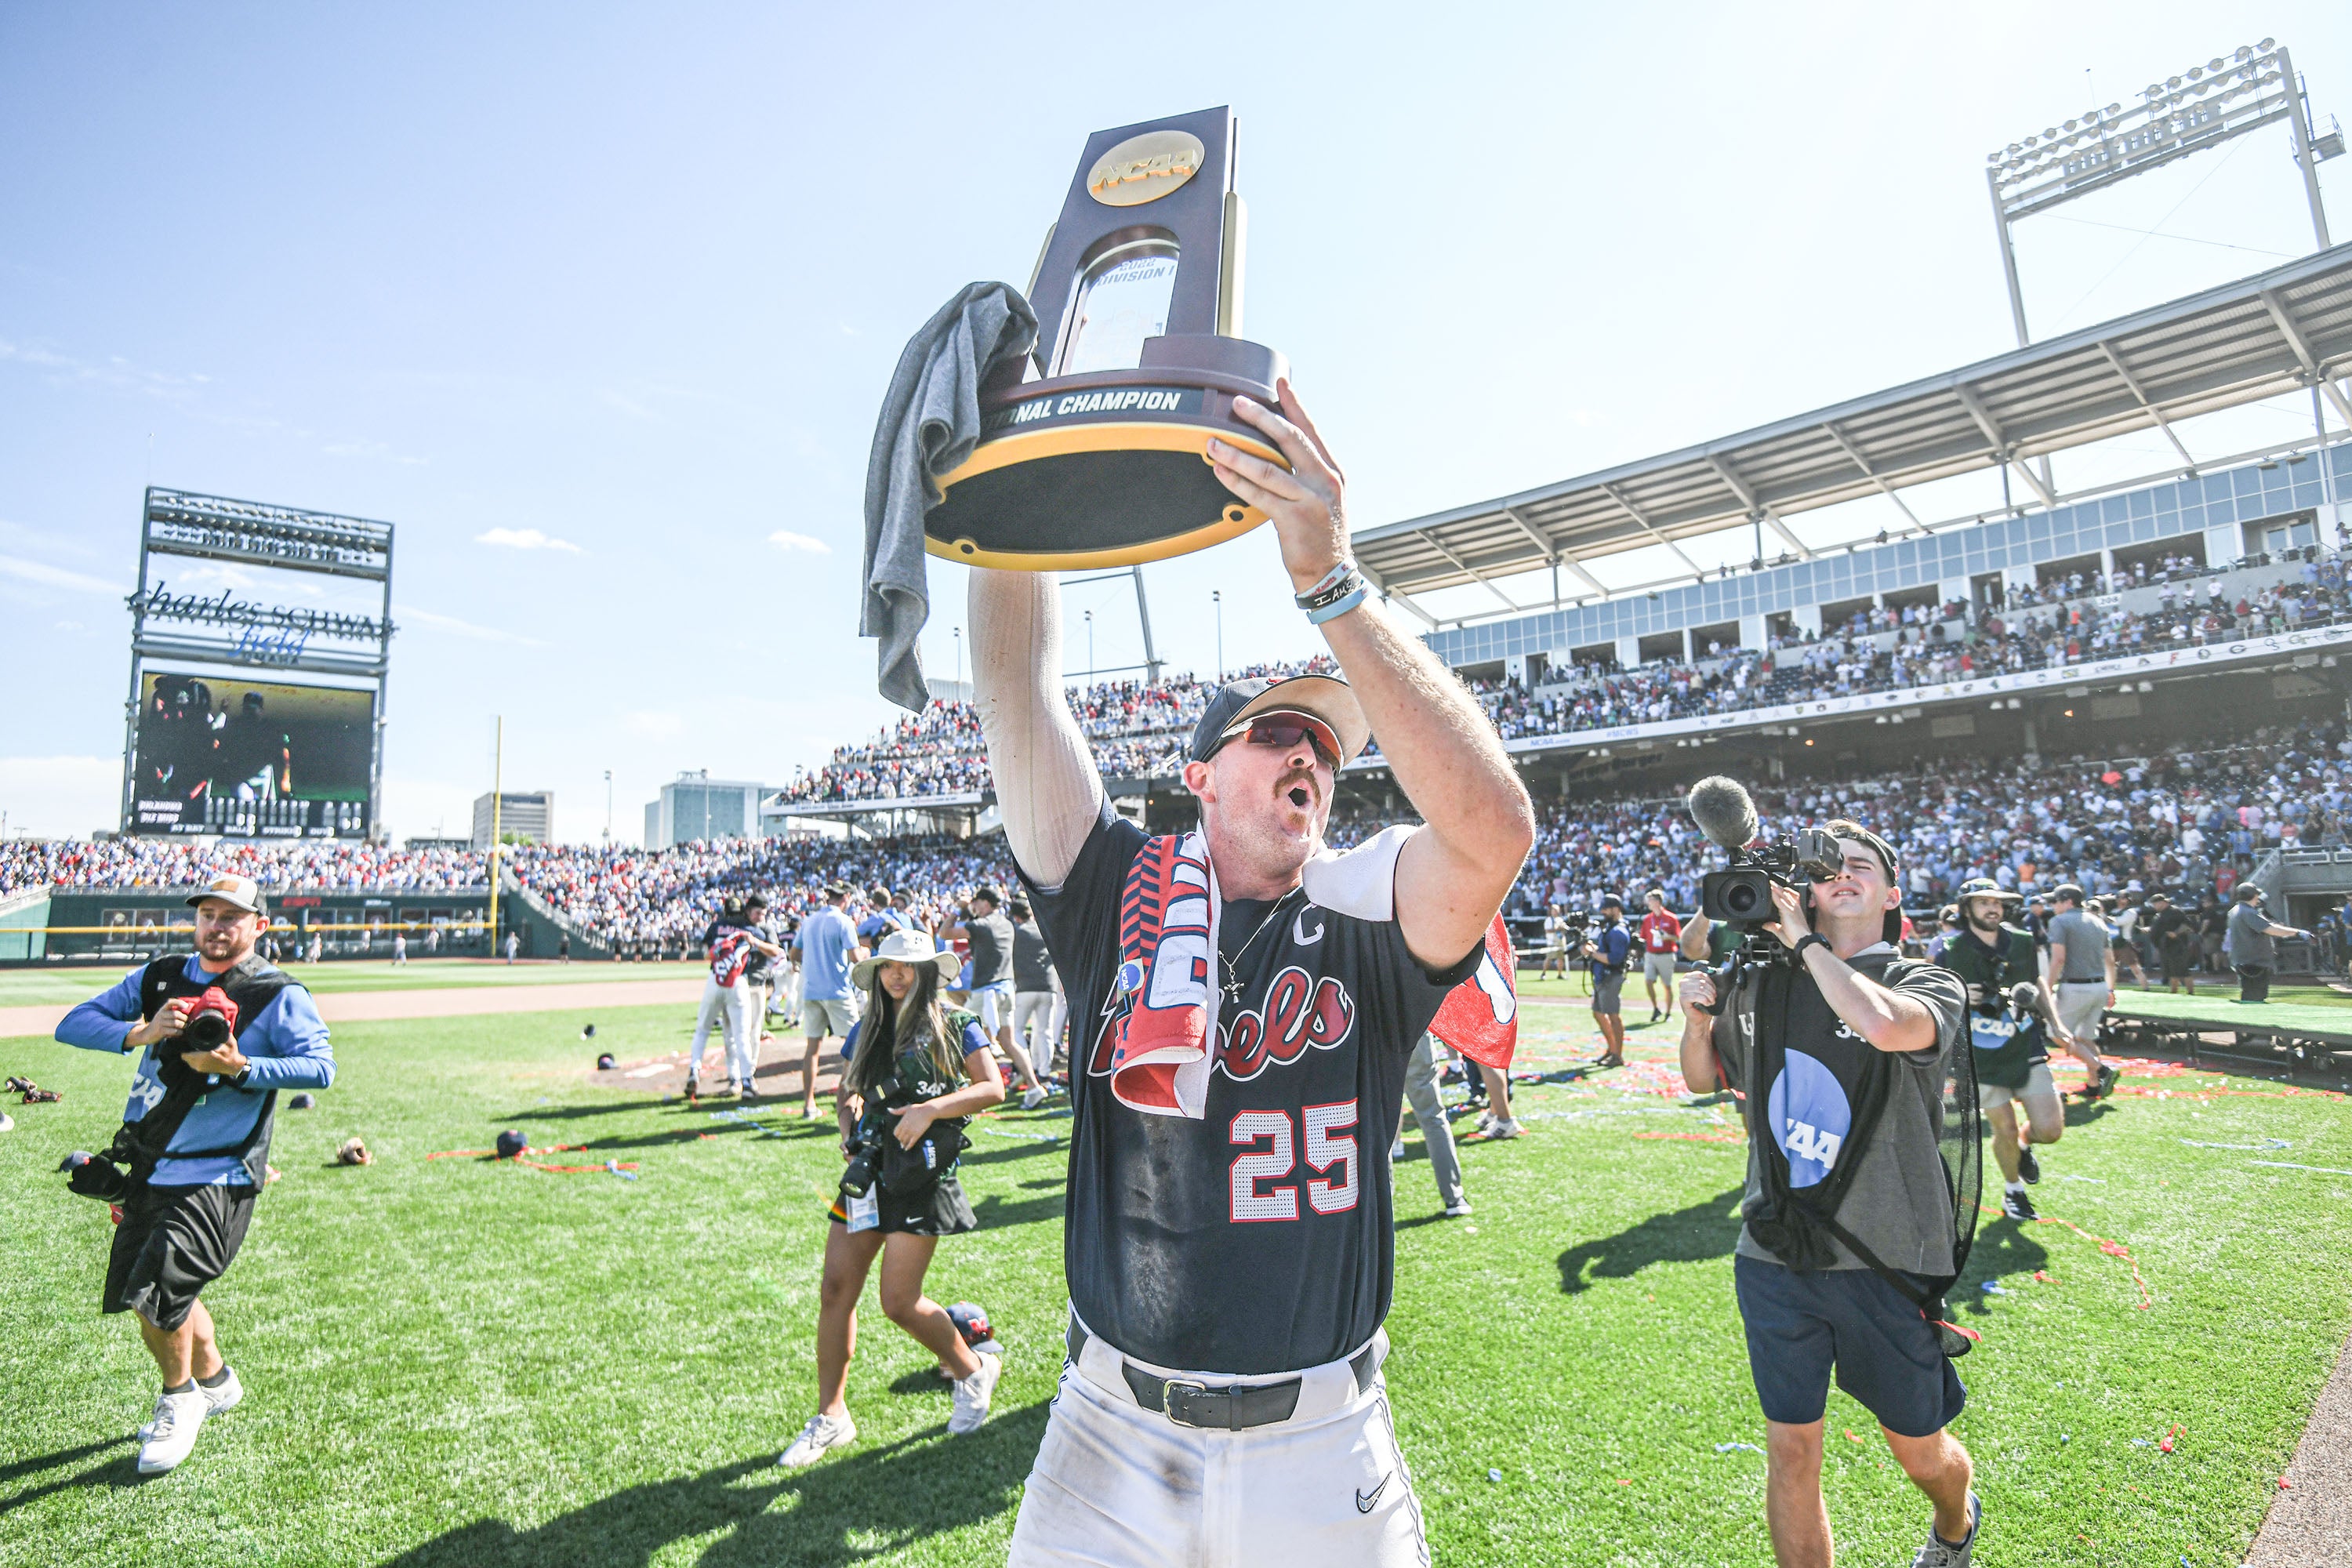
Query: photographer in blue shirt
(1607, 947)
(220, 1032)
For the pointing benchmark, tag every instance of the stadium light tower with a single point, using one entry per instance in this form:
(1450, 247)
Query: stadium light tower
(2202, 107)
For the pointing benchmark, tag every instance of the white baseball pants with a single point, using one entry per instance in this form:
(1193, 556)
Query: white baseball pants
(714, 999)
(1037, 1018)
(743, 1030)
(1116, 1486)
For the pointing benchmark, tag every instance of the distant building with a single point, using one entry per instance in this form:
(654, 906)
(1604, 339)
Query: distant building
(440, 843)
(528, 815)
(701, 807)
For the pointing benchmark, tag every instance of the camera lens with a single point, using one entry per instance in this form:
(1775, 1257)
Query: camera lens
(1743, 899)
(206, 1032)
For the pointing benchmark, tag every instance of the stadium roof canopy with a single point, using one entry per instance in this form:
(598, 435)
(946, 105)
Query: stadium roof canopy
(2278, 331)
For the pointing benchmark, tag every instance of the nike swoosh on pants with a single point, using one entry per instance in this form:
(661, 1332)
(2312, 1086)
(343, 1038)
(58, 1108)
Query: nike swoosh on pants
(1366, 1504)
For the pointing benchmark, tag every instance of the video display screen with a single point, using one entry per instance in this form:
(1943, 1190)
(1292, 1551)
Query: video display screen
(251, 759)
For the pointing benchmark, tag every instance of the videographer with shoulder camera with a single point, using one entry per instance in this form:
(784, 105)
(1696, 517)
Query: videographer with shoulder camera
(914, 1072)
(220, 1032)
(1854, 1226)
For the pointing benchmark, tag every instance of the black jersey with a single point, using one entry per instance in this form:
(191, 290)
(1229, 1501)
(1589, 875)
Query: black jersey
(1258, 1238)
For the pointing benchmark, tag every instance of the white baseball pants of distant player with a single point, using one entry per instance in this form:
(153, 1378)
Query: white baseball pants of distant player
(1037, 1025)
(743, 1030)
(711, 1011)
(1119, 1486)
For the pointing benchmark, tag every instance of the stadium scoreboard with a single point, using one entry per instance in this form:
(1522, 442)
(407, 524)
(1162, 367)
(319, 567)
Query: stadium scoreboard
(251, 759)
(216, 741)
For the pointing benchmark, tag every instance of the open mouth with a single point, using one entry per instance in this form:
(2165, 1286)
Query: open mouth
(1299, 797)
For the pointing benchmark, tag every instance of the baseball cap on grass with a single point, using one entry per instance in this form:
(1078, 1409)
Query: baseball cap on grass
(1323, 698)
(242, 892)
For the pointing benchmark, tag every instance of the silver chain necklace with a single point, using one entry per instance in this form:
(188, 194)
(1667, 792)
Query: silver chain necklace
(1235, 983)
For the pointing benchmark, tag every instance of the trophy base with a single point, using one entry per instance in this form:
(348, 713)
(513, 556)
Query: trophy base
(1107, 469)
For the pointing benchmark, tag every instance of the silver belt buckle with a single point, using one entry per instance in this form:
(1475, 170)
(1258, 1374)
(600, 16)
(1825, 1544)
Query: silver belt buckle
(1168, 1401)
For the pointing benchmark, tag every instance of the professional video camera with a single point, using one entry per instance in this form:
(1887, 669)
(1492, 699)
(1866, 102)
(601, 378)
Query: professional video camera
(1741, 896)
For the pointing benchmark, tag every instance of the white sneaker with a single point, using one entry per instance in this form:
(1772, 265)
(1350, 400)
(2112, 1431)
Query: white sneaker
(217, 1400)
(1396, 1150)
(1488, 1120)
(1503, 1127)
(172, 1431)
(822, 1434)
(972, 1394)
(1458, 1209)
(1033, 1097)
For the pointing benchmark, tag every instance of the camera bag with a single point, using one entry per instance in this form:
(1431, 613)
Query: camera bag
(906, 1172)
(1796, 1224)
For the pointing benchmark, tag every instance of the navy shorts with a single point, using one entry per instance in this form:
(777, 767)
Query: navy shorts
(1885, 1353)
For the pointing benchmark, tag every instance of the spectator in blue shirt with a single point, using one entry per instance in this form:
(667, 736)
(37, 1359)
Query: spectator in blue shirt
(1607, 948)
(186, 1206)
(828, 945)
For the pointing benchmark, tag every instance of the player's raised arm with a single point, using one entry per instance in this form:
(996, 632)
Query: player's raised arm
(1452, 877)
(1047, 785)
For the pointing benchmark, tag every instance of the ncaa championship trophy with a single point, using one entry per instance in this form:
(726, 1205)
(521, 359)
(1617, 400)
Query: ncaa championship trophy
(1092, 449)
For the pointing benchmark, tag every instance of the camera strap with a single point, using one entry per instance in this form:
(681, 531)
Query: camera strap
(143, 1143)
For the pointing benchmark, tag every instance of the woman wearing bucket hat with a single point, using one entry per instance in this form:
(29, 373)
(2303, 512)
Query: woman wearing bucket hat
(912, 1072)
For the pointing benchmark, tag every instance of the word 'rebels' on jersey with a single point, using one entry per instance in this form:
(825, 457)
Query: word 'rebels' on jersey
(1257, 1237)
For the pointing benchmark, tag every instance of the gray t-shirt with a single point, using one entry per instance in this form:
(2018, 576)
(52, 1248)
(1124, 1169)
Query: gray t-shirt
(1898, 1205)
(991, 948)
(1033, 964)
(2086, 945)
(2249, 941)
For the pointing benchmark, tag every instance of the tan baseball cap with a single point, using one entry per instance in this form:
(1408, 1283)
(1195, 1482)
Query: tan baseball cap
(242, 892)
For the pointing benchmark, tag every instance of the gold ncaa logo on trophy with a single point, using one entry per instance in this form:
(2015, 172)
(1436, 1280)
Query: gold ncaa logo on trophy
(1092, 450)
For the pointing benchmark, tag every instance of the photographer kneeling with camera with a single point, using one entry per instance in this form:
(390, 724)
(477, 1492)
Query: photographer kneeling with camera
(222, 1032)
(902, 1120)
(1851, 1228)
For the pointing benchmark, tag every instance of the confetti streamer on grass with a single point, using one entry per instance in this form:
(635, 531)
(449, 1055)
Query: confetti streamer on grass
(2112, 1248)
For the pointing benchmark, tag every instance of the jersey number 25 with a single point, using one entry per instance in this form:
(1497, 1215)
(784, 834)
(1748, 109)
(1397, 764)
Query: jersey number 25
(1330, 1141)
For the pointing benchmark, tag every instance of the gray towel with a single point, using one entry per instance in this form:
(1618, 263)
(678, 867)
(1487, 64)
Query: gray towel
(930, 424)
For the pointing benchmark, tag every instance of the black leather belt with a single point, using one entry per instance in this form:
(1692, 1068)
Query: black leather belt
(1232, 1408)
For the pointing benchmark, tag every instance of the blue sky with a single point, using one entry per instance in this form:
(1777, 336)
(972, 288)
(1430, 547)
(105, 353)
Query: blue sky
(596, 305)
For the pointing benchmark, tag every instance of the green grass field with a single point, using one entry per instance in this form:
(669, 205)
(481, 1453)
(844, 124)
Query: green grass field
(453, 1363)
(34, 987)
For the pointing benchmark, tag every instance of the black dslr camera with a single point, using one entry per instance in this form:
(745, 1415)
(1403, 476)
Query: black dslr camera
(1741, 895)
(211, 1024)
(864, 1165)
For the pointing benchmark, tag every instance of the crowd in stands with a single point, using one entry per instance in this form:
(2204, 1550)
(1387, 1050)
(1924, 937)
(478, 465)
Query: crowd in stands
(2059, 625)
(2191, 823)
(175, 863)
(645, 902)
(1138, 729)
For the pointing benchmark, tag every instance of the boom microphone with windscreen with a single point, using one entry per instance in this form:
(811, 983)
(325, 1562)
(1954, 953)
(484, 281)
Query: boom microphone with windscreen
(2025, 997)
(1723, 811)
(1742, 895)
